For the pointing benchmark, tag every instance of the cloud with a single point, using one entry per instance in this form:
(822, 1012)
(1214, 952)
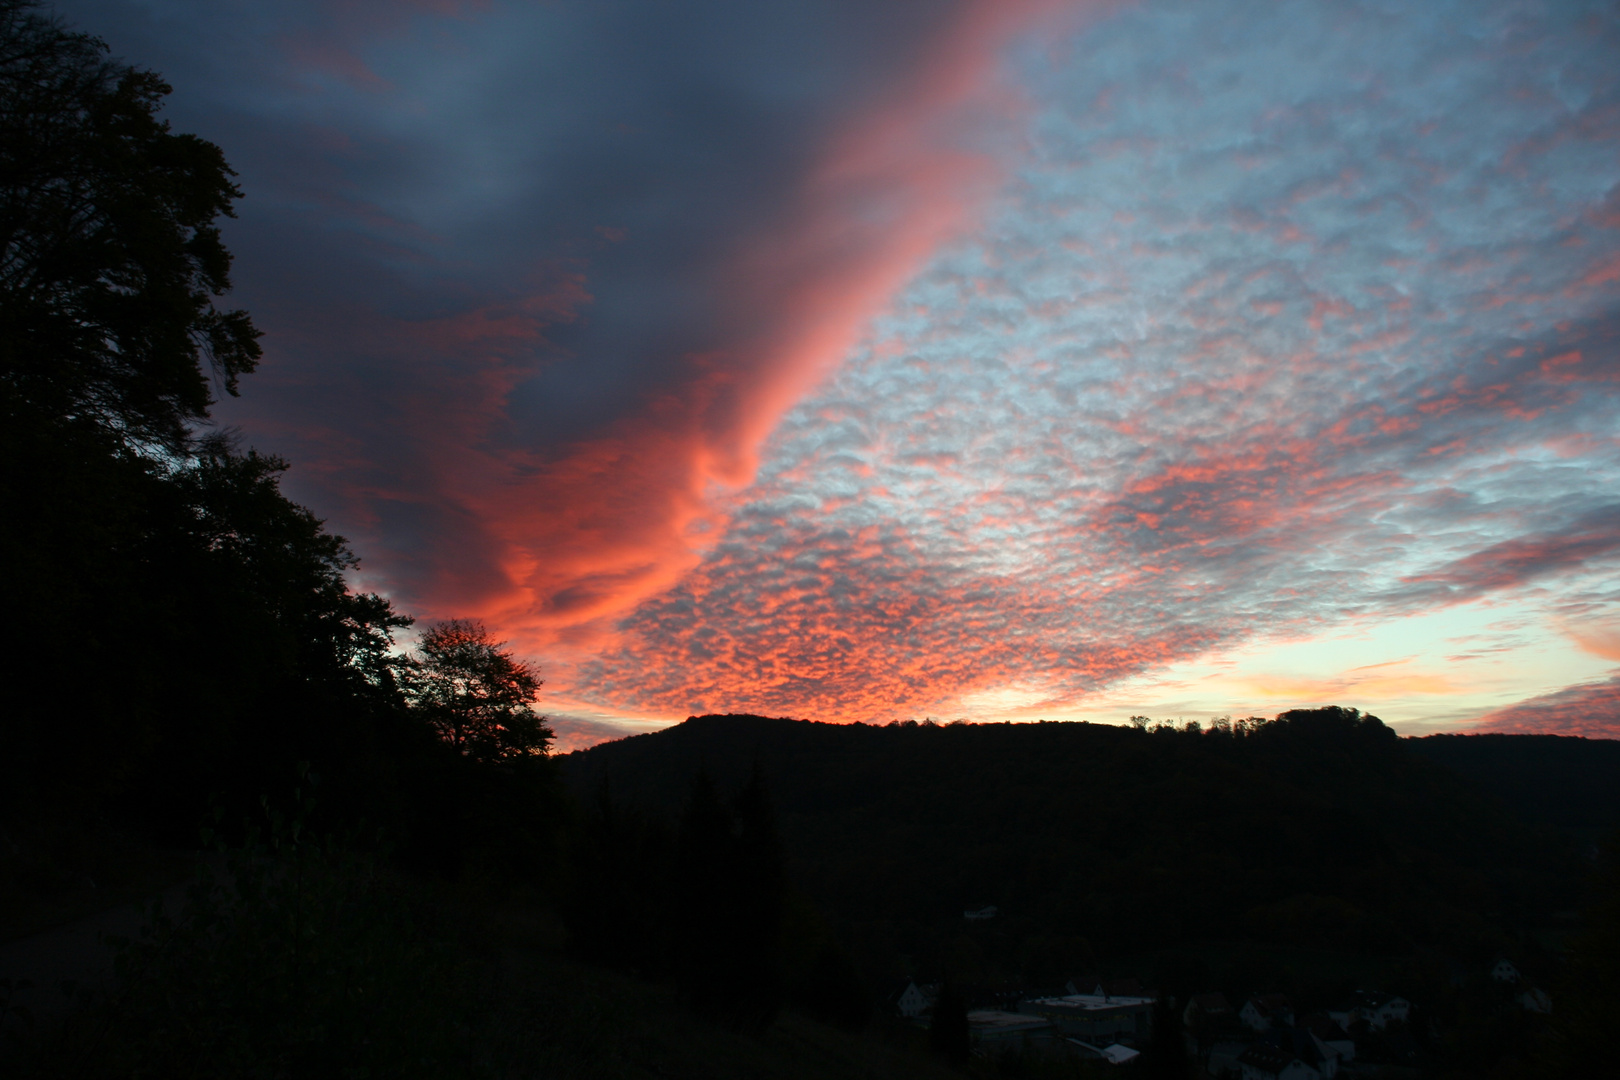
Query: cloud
(856, 360)
(1522, 559)
(582, 732)
(1591, 710)
(1276, 326)
(1599, 640)
(536, 279)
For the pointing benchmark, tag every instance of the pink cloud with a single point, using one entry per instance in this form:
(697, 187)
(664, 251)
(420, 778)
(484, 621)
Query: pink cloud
(1588, 709)
(591, 530)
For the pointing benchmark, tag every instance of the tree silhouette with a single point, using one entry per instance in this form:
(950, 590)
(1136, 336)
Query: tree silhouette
(476, 694)
(111, 256)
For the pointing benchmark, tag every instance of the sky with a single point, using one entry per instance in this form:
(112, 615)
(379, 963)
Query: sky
(979, 359)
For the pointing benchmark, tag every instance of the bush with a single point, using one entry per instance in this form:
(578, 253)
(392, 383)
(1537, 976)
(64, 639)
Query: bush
(293, 957)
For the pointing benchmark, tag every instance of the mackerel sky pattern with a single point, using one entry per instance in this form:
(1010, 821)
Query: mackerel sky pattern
(950, 358)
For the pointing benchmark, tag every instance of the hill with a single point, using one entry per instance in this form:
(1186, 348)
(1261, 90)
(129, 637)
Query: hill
(1564, 781)
(1321, 828)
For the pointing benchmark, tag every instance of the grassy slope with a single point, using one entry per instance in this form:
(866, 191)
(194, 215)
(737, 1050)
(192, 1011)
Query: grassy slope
(479, 989)
(587, 1022)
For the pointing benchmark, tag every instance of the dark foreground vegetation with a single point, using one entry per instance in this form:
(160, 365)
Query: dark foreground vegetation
(388, 875)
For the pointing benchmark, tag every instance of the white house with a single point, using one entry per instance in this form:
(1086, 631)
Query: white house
(980, 913)
(1264, 1062)
(1264, 1011)
(1330, 1037)
(1536, 1001)
(1388, 1010)
(911, 1000)
(1378, 1010)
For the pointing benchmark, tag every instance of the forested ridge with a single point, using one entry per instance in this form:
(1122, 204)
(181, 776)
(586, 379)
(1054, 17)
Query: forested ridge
(1320, 827)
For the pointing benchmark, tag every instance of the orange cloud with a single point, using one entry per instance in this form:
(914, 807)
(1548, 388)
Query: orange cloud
(588, 531)
(1601, 641)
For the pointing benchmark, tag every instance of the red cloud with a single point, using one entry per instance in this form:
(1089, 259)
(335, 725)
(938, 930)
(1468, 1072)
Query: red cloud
(1588, 709)
(593, 529)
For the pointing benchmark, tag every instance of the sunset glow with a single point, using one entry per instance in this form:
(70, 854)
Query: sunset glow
(1003, 361)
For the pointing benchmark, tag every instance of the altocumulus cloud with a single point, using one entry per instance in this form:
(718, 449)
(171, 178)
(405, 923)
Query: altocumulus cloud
(535, 276)
(1289, 314)
(861, 360)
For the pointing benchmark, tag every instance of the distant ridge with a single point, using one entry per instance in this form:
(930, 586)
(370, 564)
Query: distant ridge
(1562, 780)
(1322, 827)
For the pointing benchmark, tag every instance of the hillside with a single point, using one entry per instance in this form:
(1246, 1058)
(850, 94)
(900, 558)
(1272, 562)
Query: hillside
(1567, 782)
(1320, 829)
(403, 979)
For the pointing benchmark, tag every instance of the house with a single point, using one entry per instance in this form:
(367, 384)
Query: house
(1096, 1018)
(1264, 1011)
(1388, 1011)
(1376, 1010)
(1534, 1000)
(1092, 985)
(1330, 1035)
(1297, 1043)
(1223, 1059)
(1262, 1061)
(910, 1000)
(980, 912)
(1504, 971)
(1084, 984)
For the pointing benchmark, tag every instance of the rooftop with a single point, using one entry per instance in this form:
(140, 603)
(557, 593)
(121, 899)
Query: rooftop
(1087, 1003)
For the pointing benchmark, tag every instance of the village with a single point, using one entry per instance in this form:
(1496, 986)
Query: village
(1264, 1037)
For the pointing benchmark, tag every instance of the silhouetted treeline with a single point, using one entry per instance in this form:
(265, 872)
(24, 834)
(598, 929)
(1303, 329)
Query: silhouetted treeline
(181, 635)
(189, 638)
(1555, 780)
(1320, 828)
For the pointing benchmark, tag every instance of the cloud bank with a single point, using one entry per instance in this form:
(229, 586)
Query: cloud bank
(535, 278)
(938, 357)
(1292, 315)
(1591, 710)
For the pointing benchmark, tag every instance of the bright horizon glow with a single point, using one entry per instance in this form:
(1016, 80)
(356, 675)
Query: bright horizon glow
(1424, 674)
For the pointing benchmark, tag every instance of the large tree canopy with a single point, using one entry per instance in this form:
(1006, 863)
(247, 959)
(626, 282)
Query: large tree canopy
(476, 694)
(190, 629)
(111, 257)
